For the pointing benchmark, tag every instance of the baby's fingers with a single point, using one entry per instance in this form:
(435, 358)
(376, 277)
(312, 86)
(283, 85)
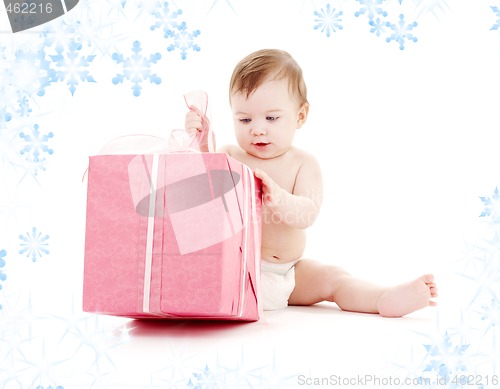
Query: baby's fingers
(193, 122)
(268, 187)
(266, 180)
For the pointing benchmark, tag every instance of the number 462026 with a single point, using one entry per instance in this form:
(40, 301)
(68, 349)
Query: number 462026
(29, 8)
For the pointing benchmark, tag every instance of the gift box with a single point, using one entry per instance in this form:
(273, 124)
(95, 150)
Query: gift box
(173, 235)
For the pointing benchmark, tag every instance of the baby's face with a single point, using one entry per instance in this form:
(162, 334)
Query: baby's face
(266, 121)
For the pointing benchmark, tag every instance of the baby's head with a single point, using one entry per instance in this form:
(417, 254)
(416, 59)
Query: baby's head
(264, 65)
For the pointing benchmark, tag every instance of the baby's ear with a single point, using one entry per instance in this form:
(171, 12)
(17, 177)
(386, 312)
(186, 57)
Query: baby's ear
(302, 115)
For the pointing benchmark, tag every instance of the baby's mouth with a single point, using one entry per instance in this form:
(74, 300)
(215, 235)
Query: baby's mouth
(261, 144)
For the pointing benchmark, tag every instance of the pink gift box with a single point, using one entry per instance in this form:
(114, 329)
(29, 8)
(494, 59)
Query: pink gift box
(173, 235)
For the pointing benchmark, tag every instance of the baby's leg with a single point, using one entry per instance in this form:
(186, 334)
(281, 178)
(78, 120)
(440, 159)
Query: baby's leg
(316, 282)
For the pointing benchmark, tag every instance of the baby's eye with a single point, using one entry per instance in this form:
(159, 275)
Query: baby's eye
(245, 120)
(271, 118)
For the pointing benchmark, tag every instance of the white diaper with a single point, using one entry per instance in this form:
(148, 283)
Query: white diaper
(277, 282)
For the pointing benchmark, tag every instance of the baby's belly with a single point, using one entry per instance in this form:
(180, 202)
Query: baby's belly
(282, 244)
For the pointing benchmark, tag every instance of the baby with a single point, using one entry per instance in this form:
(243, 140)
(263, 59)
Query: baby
(268, 98)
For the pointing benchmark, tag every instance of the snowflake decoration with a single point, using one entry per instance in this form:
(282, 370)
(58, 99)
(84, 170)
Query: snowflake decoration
(184, 40)
(370, 7)
(56, 34)
(49, 387)
(205, 379)
(3, 276)
(175, 30)
(136, 68)
(401, 32)
(90, 24)
(60, 35)
(490, 314)
(24, 110)
(378, 27)
(446, 359)
(166, 20)
(34, 244)
(35, 147)
(31, 73)
(496, 10)
(492, 206)
(72, 65)
(328, 20)
(27, 74)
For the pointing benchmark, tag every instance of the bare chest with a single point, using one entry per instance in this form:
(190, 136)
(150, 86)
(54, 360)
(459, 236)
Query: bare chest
(282, 170)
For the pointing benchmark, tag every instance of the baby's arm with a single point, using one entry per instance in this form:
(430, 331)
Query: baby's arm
(300, 208)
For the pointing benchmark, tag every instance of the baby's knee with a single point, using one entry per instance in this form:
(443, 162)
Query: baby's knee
(329, 280)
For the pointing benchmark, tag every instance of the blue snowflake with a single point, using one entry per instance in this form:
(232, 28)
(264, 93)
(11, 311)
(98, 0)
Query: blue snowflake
(184, 40)
(496, 26)
(136, 68)
(60, 35)
(34, 244)
(492, 206)
(328, 20)
(166, 20)
(36, 148)
(446, 359)
(370, 7)
(73, 66)
(172, 29)
(24, 107)
(83, 26)
(378, 26)
(3, 276)
(49, 387)
(490, 314)
(205, 380)
(401, 32)
(31, 72)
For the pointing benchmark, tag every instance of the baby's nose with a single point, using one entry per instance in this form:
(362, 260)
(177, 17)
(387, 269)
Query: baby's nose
(259, 130)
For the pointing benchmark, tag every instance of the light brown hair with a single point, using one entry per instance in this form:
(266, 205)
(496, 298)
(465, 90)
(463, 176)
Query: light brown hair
(268, 64)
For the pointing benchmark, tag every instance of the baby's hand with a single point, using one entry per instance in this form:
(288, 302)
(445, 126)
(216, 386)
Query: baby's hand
(193, 122)
(197, 126)
(272, 193)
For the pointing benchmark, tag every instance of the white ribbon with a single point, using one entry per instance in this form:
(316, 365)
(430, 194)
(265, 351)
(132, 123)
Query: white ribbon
(257, 248)
(150, 235)
(250, 215)
(245, 240)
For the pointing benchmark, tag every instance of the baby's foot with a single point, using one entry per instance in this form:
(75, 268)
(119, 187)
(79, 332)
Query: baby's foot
(406, 298)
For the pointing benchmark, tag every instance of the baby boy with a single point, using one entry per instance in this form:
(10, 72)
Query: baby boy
(268, 98)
